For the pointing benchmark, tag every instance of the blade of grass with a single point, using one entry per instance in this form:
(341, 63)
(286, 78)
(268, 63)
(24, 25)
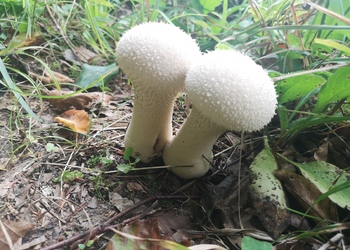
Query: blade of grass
(306, 27)
(16, 91)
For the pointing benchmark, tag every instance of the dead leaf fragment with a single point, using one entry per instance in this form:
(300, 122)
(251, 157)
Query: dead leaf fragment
(306, 193)
(22, 40)
(76, 120)
(119, 202)
(141, 234)
(81, 54)
(79, 100)
(14, 230)
(321, 154)
(47, 78)
(170, 222)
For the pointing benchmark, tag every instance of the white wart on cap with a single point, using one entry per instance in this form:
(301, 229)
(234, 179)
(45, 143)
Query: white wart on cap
(156, 58)
(229, 91)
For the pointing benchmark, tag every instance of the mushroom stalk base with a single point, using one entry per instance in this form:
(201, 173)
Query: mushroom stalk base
(195, 139)
(150, 127)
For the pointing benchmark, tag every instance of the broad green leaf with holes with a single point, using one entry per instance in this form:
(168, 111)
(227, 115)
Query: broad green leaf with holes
(327, 177)
(296, 87)
(336, 88)
(264, 183)
(266, 193)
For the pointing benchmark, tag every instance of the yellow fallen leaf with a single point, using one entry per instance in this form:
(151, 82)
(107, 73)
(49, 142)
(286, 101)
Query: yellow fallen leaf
(22, 40)
(76, 120)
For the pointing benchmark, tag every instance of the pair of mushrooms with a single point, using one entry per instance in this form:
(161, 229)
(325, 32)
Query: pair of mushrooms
(228, 90)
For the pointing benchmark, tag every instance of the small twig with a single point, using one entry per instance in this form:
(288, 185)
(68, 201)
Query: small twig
(80, 238)
(332, 241)
(308, 72)
(62, 32)
(296, 22)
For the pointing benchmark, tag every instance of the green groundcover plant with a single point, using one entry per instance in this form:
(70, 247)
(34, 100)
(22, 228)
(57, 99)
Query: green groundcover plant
(304, 45)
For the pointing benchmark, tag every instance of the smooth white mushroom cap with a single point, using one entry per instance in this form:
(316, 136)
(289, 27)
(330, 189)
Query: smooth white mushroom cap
(231, 90)
(157, 55)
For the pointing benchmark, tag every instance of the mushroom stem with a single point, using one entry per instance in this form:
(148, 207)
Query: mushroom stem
(148, 132)
(184, 153)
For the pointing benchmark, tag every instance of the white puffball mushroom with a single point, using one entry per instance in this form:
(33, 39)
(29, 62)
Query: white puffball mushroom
(156, 58)
(229, 91)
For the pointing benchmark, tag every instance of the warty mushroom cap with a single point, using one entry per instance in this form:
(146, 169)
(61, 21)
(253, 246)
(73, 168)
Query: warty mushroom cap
(229, 91)
(156, 58)
(156, 55)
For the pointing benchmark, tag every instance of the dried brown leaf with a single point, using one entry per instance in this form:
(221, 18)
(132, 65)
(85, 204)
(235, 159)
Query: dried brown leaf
(47, 78)
(170, 222)
(321, 154)
(15, 230)
(145, 229)
(271, 215)
(79, 100)
(306, 193)
(84, 54)
(76, 120)
(119, 202)
(43, 79)
(223, 199)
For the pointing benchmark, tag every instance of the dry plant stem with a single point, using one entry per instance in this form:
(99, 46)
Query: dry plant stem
(194, 140)
(306, 62)
(306, 72)
(63, 34)
(80, 238)
(148, 139)
(328, 12)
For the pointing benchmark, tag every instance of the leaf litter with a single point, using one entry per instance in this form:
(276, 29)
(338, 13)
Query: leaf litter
(81, 204)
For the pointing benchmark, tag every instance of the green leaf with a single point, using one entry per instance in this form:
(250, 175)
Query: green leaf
(223, 46)
(264, 183)
(334, 45)
(209, 5)
(92, 76)
(68, 176)
(125, 168)
(128, 153)
(296, 87)
(327, 177)
(336, 88)
(81, 246)
(50, 147)
(249, 243)
(298, 125)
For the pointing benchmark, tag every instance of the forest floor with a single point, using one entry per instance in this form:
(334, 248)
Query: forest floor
(52, 188)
